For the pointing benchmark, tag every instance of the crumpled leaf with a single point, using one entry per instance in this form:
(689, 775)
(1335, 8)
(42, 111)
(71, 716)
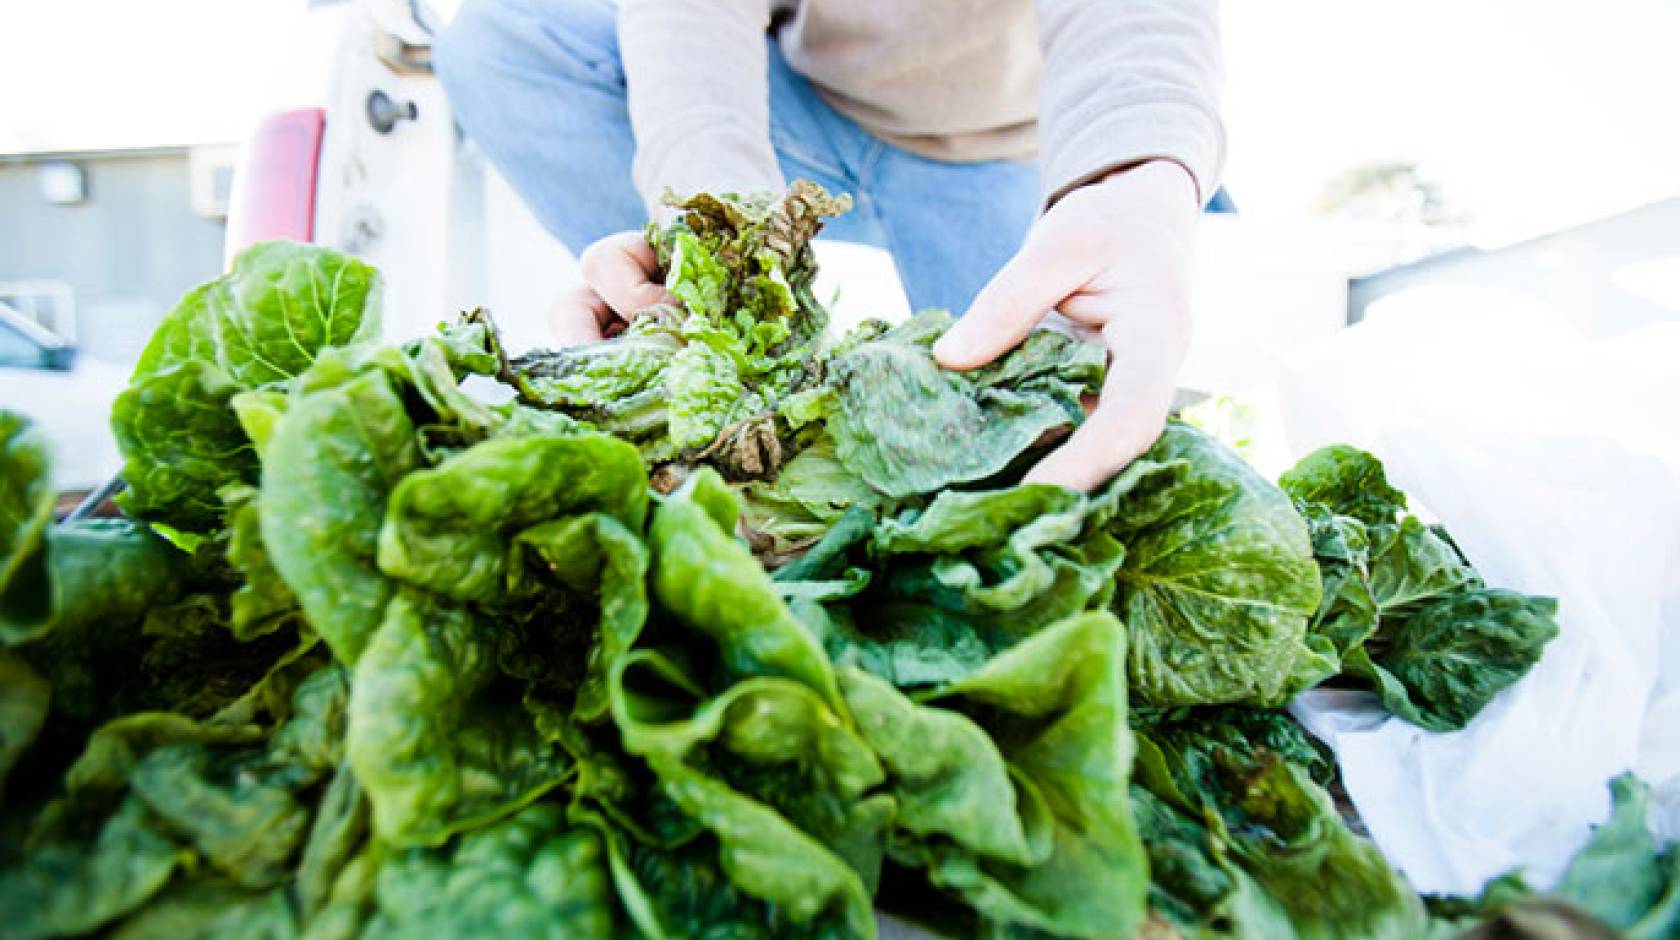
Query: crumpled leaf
(1017, 559)
(682, 380)
(772, 740)
(1055, 707)
(1264, 813)
(708, 580)
(452, 528)
(905, 426)
(434, 754)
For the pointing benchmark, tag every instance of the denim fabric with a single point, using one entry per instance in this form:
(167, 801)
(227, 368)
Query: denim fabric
(539, 87)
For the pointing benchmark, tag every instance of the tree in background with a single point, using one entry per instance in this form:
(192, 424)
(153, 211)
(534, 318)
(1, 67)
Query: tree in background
(1387, 191)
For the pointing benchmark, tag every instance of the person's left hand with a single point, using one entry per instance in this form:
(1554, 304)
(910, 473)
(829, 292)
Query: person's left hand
(1113, 256)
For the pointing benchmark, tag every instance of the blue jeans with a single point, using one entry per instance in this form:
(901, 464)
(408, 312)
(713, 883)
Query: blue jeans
(539, 86)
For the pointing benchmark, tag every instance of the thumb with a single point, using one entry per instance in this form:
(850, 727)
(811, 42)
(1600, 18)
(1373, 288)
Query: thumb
(1040, 276)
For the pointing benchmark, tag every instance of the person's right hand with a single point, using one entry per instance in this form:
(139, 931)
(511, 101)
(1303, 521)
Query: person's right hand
(618, 281)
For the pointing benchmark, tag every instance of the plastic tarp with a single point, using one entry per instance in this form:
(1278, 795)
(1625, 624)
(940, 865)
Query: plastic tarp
(1552, 454)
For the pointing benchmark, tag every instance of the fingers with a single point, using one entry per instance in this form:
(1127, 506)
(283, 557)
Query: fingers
(1047, 269)
(579, 316)
(621, 269)
(1131, 413)
(1115, 433)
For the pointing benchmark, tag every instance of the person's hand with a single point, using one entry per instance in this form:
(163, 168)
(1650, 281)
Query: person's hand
(1113, 257)
(619, 274)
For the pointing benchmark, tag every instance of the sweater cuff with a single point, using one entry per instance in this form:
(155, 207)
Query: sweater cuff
(1092, 145)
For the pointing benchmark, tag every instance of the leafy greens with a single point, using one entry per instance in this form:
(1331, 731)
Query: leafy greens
(723, 628)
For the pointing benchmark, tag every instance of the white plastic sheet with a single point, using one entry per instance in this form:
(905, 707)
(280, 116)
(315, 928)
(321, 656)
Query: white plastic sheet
(1553, 457)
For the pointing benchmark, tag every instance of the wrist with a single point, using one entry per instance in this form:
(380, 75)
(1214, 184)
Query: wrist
(1161, 173)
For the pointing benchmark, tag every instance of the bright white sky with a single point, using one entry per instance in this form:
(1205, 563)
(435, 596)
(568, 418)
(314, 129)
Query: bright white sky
(1533, 114)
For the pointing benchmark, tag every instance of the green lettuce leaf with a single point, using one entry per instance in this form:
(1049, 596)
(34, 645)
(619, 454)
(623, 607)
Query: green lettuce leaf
(1620, 884)
(1055, 708)
(1441, 666)
(94, 574)
(181, 443)
(526, 876)
(207, 908)
(905, 426)
(1348, 482)
(330, 468)
(1403, 611)
(708, 580)
(246, 823)
(808, 496)
(766, 857)
(24, 699)
(437, 754)
(673, 892)
(567, 648)
(337, 833)
(1218, 582)
(704, 380)
(26, 506)
(263, 322)
(66, 888)
(772, 740)
(1412, 565)
(1014, 559)
(452, 528)
(1347, 613)
(1620, 876)
(1264, 813)
(262, 604)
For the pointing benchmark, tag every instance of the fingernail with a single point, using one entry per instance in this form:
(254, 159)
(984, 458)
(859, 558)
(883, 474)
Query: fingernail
(948, 347)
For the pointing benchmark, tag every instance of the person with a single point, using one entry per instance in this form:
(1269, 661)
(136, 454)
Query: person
(929, 114)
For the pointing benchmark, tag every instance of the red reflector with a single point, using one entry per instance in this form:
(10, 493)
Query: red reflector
(273, 193)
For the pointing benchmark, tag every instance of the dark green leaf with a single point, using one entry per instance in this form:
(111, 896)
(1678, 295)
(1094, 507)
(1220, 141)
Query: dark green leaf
(1444, 663)
(1348, 482)
(1218, 582)
(906, 426)
(434, 754)
(527, 876)
(69, 888)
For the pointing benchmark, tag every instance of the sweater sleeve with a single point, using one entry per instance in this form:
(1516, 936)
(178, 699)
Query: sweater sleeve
(699, 96)
(1126, 81)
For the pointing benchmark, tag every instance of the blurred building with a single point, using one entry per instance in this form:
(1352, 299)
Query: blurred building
(98, 245)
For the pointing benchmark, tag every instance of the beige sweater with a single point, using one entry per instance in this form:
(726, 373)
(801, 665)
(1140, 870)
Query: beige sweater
(1084, 86)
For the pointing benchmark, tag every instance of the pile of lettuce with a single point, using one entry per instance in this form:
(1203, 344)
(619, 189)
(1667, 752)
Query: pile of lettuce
(723, 628)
